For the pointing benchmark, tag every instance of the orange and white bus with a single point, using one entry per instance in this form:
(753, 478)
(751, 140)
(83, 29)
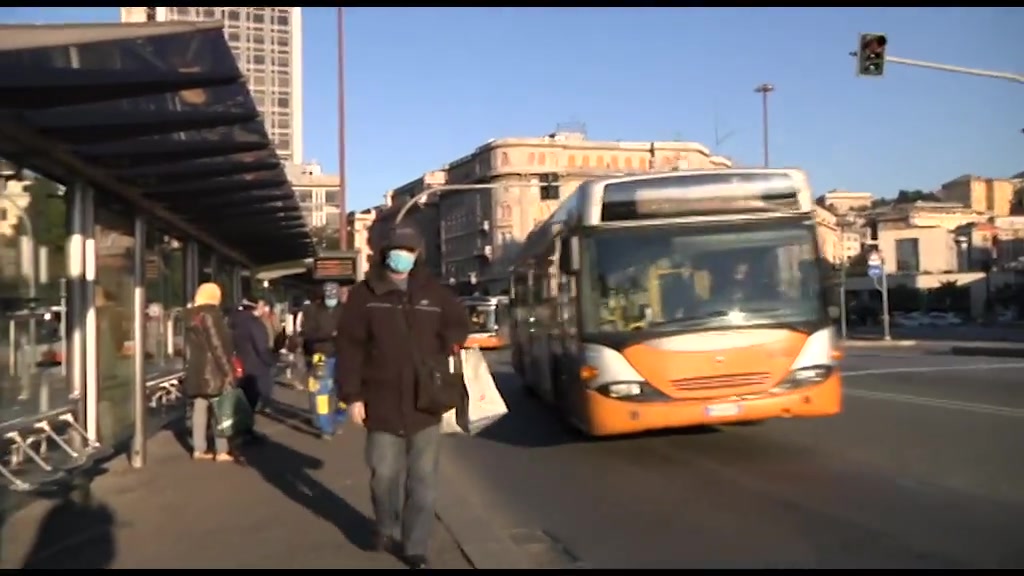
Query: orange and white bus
(488, 321)
(677, 299)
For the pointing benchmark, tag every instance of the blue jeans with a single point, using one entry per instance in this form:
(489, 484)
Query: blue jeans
(404, 510)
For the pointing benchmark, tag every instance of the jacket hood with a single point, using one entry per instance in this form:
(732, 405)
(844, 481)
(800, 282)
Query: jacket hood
(207, 293)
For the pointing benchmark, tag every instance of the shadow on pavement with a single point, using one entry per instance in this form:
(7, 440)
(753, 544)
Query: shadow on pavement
(74, 535)
(288, 471)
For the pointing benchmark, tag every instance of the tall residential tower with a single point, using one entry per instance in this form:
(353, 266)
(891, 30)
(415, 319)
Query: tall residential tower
(267, 43)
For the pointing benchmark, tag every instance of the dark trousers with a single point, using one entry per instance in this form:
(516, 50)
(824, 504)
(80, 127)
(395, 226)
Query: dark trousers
(403, 485)
(258, 389)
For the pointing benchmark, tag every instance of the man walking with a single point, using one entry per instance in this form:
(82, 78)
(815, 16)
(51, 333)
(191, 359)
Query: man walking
(397, 316)
(253, 352)
(319, 329)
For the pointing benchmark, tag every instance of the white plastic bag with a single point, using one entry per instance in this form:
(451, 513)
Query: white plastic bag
(484, 404)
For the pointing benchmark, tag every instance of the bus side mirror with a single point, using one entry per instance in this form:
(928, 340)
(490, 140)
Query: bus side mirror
(570, 255)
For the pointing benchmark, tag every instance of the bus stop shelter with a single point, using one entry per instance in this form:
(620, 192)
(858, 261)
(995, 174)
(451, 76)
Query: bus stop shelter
(156, 140)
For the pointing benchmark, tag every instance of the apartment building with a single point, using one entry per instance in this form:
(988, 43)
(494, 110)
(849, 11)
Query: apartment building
(478, 230)
(842, 201)
(267, 44)
(997, 196)
(318, 194)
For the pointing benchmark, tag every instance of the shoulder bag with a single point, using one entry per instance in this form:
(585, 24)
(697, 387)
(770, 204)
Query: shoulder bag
(439, 383)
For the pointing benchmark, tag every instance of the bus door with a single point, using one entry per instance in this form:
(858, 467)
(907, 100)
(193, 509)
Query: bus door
(503, 321)
(571, 393)
(541, 328)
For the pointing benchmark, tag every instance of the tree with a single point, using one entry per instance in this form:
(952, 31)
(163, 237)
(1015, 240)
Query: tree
(326, 238)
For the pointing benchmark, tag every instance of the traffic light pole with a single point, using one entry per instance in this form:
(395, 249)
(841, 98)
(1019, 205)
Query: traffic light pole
(1018, 78)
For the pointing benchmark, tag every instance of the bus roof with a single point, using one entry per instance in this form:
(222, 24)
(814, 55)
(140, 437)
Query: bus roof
(584, 207)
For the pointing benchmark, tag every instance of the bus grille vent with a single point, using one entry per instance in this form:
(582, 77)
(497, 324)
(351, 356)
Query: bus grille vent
(723, 381)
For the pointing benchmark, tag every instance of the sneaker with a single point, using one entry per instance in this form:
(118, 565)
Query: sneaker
(202, 456)
(416, 562)
(385, 544)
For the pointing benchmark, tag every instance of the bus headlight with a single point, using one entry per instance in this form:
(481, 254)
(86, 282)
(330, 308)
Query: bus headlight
(631, 391)
(805, 376)
(815, 363)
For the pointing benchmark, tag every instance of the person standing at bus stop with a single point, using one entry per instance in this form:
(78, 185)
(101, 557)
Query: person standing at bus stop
(396, 321)
(319, 327)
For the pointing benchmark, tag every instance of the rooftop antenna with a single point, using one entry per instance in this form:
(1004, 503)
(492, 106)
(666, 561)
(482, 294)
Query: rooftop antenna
(720, 136)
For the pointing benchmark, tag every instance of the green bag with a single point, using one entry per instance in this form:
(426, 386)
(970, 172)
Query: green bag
(232, 412)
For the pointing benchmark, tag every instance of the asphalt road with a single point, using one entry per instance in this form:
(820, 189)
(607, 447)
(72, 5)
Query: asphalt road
(922, 470)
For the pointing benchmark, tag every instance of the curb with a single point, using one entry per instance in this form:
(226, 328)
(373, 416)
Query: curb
(484, 546)
(882, 343)
(987, 351)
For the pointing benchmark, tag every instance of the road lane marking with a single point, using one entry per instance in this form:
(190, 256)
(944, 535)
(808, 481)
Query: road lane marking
(926, 369)
(936, 402)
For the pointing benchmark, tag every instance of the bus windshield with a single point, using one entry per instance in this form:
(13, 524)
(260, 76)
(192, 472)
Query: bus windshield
(482, 318)
(696, 277)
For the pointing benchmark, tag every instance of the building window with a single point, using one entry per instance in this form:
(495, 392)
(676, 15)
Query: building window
(614, 161)
(586, 162)
(600, 161)
(233, 15)
(258, 18)
(907, 255)
(330, 197)
(549, 188)
(531, 159)
(504, 159)
(572, 161)
(281, 19)
(504, 211)
(629, 163)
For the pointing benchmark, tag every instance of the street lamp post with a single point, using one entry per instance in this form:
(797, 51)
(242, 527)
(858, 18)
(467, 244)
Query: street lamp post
(843, 222)
(764, 90)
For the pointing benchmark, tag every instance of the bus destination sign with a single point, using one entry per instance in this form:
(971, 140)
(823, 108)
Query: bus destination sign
(337, 268)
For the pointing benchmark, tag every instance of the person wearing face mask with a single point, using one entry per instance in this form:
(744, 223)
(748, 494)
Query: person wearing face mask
(397, 316)
(319, 327)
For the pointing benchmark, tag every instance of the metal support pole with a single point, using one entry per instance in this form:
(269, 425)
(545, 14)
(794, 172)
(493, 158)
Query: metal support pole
(74, 322)
(764, 90)
(214, 267)
(92, 376)
(191, 269)
(886, 334)
(342, 187)
(1018, 78)
(842, 298)
(236, 283)
(138, 453)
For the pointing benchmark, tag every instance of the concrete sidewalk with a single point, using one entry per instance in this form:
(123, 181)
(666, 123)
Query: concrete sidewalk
(299, 503)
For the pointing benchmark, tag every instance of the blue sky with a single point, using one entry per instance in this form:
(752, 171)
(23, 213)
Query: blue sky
(425, 86)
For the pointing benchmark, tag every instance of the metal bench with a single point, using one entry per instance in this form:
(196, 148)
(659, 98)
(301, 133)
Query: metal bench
(46, 448)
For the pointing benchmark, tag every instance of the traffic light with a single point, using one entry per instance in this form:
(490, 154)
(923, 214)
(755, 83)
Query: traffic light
(871, 55)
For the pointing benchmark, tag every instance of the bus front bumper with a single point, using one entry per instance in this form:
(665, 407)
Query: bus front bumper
(611, 417)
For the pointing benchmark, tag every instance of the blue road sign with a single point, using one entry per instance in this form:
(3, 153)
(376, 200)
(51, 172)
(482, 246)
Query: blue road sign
(875, 271)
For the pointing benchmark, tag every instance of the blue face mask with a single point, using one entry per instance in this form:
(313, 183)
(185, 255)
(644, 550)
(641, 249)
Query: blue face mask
(331, 302)
(401, 261)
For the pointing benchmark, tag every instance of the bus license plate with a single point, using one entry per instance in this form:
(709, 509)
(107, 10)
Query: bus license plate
(722, 410)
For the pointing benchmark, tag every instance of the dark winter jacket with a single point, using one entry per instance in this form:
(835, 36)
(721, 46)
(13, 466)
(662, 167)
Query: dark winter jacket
(209, 351)
(319, 328)
(375, 364)
(249, 336)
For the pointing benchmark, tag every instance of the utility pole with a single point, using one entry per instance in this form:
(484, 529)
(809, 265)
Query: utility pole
(764, 90)
(342, 210)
